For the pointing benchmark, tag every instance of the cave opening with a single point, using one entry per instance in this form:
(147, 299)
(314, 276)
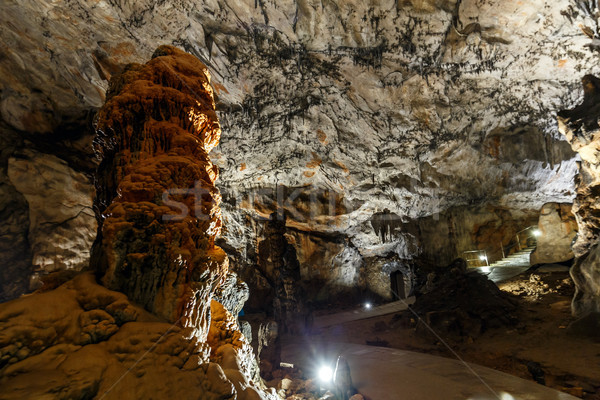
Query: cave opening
(398, 285)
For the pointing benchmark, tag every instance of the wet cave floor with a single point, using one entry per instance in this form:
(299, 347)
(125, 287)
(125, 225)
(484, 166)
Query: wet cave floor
(539, 347)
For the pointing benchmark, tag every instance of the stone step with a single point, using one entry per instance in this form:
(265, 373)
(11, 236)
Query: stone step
(518, 259)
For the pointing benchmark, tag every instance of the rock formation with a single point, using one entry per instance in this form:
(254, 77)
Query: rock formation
(580, 126)
(49, 220)
(158, 215)
(155, 194)
(82, 341)
(557, 227)
(459, 305)
(390, 104)
(278, 262)
(61, 219)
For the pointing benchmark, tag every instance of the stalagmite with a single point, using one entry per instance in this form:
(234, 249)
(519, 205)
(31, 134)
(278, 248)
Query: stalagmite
(158, 212)
(156, 201)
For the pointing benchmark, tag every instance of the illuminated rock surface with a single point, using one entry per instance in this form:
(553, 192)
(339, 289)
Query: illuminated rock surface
(557, 227)
(580, 126)
(410, 106)
(155, 188)
(82, 340)
(61, 220)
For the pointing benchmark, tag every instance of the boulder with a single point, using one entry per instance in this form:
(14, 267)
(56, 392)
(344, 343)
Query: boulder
(62, 224)
(557, 227)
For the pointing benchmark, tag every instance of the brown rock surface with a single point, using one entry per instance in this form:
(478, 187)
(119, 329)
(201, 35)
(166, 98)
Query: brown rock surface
(82, 340)
(156, 200)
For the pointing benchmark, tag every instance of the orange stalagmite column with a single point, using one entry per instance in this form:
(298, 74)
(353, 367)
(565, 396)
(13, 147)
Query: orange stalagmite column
(156, 201)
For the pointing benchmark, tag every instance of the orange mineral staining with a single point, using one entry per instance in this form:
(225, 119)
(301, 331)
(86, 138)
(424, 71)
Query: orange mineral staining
(157, 205)
(315, 162)
(322, 136)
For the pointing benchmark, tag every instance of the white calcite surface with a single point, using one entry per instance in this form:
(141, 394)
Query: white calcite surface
(405, 106)
(62, 225)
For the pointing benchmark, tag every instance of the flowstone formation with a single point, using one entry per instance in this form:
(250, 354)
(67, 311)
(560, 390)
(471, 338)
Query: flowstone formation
(159, 216)
(580, 126)
(157, 204)
(83, 341)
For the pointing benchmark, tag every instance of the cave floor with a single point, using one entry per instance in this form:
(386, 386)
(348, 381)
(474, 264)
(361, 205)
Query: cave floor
(326, 320)
(390, 374)
(539, 340)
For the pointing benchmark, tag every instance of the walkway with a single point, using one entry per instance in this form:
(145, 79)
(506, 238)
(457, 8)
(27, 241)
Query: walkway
(389, 374)
(508, 267)
(322, 321)
(501, 274)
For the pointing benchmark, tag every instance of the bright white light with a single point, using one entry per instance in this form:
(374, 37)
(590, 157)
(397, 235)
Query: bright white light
(482, 258)
(485, 270)
(537, 233)
(325, 374)
(368, 305)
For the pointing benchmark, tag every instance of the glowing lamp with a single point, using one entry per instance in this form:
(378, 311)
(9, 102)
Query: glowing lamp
(325, 374)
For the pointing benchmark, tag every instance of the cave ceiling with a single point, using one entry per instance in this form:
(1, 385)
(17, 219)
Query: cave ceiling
(407, 106)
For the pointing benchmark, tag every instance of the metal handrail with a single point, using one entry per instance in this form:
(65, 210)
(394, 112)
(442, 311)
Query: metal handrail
(480, 257)
(533, 232)
(483, 254)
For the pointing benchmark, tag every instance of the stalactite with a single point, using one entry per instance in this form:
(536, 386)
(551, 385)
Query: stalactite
(386, 224)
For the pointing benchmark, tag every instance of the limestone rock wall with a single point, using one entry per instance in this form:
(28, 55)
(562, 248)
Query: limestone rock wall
(450, 234)
(46, 205)
(61, 219)
(15, 253)
(558, 229)
(580, 126)
(390, 103)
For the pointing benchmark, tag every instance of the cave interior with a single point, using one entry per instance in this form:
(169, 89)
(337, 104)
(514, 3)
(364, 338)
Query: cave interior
(300, 199)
